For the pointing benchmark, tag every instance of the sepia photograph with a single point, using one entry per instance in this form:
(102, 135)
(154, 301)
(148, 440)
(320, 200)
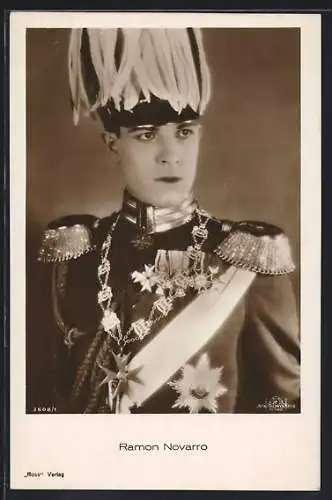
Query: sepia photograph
(165, 263)
(167, 229)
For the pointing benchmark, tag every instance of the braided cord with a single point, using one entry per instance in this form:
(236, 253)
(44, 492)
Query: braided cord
(86, 365)
(103, 359)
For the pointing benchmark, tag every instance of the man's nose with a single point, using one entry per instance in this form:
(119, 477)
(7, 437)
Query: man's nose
(168, 152)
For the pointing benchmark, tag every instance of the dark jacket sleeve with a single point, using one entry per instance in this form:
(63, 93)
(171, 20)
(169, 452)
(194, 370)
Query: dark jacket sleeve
(270, 348)
(45, 345)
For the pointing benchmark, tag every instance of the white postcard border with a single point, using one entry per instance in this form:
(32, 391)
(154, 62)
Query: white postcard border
(257, 452)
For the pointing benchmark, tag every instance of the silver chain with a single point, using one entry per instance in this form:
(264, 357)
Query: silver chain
(161, 307)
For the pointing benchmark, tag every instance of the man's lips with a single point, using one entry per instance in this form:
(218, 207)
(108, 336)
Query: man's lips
(169, 179)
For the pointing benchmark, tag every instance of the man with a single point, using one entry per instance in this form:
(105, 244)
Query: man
(160, 307)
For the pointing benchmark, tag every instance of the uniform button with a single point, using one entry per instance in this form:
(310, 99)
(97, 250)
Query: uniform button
(226, 227)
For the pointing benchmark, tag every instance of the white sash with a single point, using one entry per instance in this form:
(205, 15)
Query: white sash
(185, 335)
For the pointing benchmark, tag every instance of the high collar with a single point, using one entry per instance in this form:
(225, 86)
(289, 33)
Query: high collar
(152, 219)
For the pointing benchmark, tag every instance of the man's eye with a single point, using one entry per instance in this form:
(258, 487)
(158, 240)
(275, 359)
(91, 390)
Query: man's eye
(146, 136)
(183, 133)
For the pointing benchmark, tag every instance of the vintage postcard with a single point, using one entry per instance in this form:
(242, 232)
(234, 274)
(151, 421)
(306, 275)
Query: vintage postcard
(165, 251)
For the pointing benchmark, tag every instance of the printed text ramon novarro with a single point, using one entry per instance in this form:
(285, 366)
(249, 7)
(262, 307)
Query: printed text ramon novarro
(177, 447)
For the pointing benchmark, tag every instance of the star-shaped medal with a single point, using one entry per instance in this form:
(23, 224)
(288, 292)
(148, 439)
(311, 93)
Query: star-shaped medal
(119, 383)
(199, 386)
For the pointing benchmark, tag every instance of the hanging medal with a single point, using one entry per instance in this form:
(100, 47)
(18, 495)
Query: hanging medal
(119, 382)
(142, 240)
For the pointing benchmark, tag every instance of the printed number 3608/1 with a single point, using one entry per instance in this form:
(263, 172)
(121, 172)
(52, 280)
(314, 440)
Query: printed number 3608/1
(44, 409)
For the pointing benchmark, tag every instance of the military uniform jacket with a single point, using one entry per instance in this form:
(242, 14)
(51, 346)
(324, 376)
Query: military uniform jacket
(249, 365)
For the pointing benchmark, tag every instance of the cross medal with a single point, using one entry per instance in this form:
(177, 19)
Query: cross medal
(142, 241)
(118, 382)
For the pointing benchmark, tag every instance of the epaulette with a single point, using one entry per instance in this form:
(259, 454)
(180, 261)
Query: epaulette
(257, 246)
(68, 238)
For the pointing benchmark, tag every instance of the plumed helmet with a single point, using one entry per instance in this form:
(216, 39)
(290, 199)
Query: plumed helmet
(132, 76)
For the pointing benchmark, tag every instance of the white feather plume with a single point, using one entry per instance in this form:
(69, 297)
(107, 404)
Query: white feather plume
(155, 62)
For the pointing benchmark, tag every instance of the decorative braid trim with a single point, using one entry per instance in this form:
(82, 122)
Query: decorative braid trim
(262, 254)
(96, 389)
(86, 365)
(65, 243)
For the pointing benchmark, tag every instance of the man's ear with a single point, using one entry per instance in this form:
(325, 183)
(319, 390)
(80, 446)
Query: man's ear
(110, 139)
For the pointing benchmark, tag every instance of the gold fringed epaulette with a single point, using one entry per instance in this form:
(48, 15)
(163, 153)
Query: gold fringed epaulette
(259, 247)
(65, 242)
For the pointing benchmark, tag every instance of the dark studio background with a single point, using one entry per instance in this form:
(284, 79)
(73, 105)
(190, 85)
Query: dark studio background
(249, 165)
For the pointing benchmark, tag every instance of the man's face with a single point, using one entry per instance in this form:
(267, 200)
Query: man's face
(159, 163)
